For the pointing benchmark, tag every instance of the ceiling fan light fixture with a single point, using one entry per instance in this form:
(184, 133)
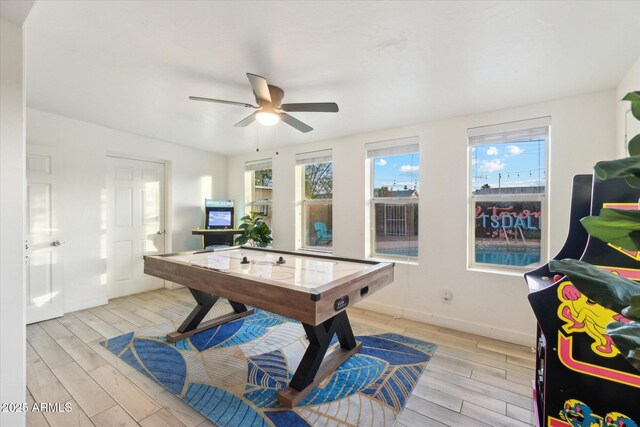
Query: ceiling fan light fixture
(267, 118)
(270, 109)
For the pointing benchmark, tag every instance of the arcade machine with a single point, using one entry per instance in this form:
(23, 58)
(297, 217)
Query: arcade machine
(581, 377)
(219, 230)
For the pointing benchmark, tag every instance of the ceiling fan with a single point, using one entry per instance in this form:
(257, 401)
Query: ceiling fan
(270, 107)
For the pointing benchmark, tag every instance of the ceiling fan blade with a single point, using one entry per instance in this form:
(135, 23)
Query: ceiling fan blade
(260, 87)
(221, 101)
(246, 121)
(292, 121)
(319, 107)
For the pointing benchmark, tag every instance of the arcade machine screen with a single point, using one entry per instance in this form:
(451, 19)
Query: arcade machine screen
(219, 219)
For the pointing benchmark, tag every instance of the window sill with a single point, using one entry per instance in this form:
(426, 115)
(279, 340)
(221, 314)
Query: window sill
(391, 259)
(320, 250)
(502, 271)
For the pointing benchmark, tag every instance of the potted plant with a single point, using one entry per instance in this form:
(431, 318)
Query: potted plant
(622, 228)
(256, 232)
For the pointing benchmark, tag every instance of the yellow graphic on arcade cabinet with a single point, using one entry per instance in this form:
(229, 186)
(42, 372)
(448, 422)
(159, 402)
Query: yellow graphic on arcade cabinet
(578, 414)
(580, 314)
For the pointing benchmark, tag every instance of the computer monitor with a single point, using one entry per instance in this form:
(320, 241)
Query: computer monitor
(220, 218)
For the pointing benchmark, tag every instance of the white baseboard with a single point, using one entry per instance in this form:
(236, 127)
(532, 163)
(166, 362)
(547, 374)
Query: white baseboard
(85, 303)
(452, 323)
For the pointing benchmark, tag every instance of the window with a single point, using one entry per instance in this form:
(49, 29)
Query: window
(395, 180)
(258, 180)
(316, 193)
(507, 194)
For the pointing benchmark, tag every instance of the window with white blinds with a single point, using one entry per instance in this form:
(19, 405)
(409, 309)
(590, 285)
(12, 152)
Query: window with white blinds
(316, 199)
(508, 184)
(258, 180)
(395, 181)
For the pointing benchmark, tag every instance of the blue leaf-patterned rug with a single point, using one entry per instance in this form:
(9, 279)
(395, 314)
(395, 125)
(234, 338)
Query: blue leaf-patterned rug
(232, 373)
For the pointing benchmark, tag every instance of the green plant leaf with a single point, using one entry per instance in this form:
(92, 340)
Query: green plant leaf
(635, 238)
(631, 214)
(607, 289)
(633, 181)
(621, 168)
(632, 96)
(614, 226)
(626, 336)
(633, 311)
(255, 230)
(634, 146)
(635, 109)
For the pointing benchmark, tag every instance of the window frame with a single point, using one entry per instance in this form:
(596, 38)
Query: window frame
(302, 161)
(250, 203)
(390, 148)
(524, 126)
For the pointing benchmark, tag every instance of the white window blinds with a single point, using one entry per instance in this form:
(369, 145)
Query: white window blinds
(320, 156)
(393, 147)
(523, 130)
(255, 165)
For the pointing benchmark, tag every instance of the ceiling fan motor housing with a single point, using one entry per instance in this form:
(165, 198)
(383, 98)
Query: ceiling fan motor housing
(276, 97)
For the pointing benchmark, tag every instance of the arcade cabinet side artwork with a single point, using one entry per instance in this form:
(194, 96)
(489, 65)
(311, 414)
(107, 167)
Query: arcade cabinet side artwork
(581, 377)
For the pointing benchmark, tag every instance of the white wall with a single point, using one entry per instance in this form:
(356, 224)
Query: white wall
(81, 149)
(630, 82)
(495, 305)
(12, 167)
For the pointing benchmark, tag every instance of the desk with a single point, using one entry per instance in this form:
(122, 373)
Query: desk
(217, 236)
(313, 289)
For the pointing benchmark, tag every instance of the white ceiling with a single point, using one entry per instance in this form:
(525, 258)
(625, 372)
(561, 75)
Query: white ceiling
(131, 65)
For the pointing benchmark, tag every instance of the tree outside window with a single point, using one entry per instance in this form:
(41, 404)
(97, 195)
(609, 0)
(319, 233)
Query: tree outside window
(317, 206)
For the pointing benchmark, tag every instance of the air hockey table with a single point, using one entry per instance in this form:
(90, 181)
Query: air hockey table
(313, 289)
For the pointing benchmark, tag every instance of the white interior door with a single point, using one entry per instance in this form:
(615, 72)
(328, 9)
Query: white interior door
(42, 238)
(135, 223)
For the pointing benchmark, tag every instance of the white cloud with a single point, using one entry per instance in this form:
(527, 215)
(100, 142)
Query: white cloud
(492, 151)
(514, 150)
(474, 161)
(381, 162)
(408, 169)
(492, 165)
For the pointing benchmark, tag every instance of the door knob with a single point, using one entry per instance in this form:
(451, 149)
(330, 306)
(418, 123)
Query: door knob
(56, 243)
(161, 232)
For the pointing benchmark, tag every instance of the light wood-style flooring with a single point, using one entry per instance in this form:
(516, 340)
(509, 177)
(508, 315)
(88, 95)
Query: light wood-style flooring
(471, 380)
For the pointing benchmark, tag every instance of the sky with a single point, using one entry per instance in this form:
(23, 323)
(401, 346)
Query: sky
(397, 171)
(520, 164)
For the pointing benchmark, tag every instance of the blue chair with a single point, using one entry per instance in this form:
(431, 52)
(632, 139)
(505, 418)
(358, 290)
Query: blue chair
(323, 237)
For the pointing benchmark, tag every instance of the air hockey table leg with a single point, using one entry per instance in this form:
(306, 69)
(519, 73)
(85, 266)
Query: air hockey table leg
(314, 367)
(192, 324)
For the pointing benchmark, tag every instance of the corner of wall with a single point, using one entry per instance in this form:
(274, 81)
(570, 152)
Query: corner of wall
(630, 82)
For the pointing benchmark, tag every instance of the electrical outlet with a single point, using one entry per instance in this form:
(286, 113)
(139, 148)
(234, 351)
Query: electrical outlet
(446, 296)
